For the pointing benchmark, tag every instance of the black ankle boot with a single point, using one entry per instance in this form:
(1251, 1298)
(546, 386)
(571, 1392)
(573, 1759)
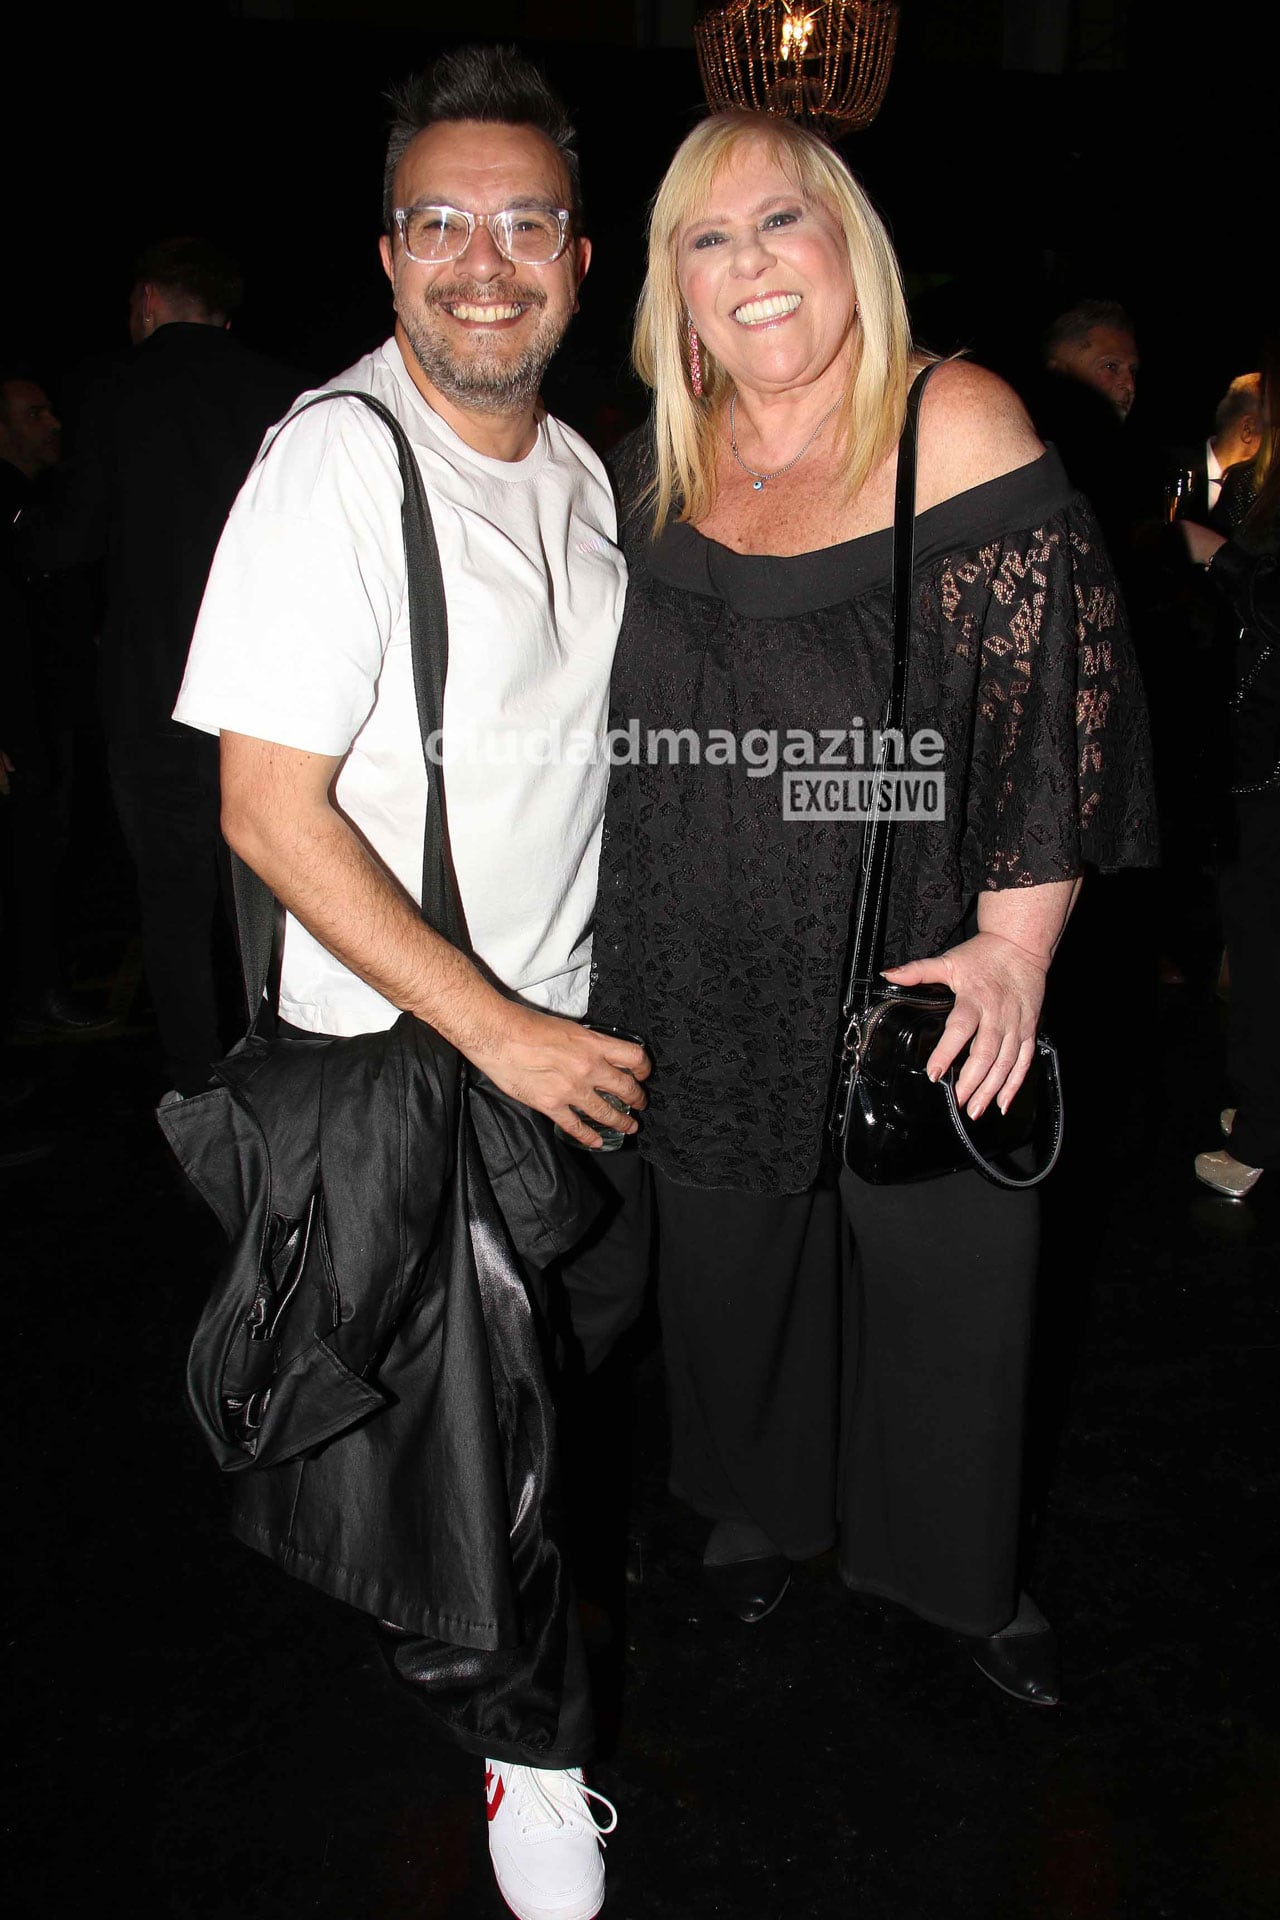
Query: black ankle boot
(744, 1570)
(1022, 1659)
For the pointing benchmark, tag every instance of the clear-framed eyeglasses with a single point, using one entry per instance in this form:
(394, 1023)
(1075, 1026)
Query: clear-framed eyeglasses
(529, 236)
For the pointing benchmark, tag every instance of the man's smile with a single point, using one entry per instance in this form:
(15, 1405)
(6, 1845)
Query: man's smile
(488, 312)
(488, 315)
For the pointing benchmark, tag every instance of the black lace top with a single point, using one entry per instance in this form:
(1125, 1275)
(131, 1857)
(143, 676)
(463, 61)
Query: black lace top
(722, 926)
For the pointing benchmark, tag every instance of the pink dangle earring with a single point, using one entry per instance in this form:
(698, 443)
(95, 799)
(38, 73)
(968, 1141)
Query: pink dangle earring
(695, 360)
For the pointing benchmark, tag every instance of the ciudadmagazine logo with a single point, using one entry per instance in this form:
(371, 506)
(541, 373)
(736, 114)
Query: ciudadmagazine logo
(853, 772)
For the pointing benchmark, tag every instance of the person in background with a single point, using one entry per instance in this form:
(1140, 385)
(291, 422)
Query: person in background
(45, 669)
(1236, 436)
(1082, 406)
(165, 440)
(1085, 406)
(30, 438)
(1245, 569)
(1094, 343)
(1242, 479)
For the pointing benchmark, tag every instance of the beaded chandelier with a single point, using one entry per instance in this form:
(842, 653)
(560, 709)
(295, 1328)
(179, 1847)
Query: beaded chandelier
(827, 64)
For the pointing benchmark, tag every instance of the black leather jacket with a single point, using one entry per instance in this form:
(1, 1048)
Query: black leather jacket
(369, 1364)
(1251, 584)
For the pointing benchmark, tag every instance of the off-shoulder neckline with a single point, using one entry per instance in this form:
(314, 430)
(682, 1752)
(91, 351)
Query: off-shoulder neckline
(1046, 465)
(765, 584)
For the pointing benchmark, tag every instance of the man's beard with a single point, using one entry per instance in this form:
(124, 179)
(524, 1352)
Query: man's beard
(482, 379)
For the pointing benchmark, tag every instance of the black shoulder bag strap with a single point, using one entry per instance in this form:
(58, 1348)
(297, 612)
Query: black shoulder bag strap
(259, 915)
(865, 984)
(867, 946)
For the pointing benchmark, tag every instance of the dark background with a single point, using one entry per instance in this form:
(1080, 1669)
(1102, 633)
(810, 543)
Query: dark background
(1028, 153)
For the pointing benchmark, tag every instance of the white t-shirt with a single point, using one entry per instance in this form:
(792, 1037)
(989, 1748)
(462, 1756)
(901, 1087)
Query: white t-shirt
(303, 639)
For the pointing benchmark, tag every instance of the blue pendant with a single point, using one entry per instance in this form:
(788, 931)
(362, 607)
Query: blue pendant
(756, 485)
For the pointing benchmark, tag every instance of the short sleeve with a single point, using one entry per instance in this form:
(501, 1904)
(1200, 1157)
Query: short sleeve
(1059, 771)
(305, 591)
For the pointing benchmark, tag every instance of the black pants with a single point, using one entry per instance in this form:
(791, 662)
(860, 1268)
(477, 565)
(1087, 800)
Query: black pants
(166, 793)
(1251, 916)
(484, 1705)
(879, 1403)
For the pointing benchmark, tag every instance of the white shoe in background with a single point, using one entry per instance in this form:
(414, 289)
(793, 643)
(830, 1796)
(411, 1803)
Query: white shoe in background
(544, 1841)
(1227, 1175)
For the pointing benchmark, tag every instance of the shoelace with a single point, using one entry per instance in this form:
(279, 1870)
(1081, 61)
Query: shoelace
(537, 1802)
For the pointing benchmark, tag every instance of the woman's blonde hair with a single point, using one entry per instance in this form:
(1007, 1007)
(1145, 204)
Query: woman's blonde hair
(685, 428)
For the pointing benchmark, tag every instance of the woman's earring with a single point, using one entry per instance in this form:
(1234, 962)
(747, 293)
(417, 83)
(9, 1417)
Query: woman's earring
(695, 360)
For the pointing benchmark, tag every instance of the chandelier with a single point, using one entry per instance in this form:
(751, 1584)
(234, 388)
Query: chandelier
(828, 64)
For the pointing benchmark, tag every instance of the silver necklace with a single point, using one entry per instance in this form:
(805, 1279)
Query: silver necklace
(758, 479)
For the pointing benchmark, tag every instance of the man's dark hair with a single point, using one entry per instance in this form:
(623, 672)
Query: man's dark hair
(11, 373)
(193, 272)
(1078, 322)
(478, 83)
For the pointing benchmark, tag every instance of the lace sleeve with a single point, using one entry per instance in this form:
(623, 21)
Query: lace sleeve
(1059, 769)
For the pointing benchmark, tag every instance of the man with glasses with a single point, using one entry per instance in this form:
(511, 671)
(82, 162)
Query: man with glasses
(301, 661)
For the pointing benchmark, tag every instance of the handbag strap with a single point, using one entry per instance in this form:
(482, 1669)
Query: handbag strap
(259, 915)
(870, 918)
(1051, 1082)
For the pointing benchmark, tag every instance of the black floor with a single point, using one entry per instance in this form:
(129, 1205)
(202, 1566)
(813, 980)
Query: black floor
(197, 1736)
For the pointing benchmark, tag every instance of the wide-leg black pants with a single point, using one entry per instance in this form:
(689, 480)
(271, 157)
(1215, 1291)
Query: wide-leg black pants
(872, 1396)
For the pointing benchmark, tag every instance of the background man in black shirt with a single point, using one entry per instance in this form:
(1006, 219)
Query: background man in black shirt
(165, 441)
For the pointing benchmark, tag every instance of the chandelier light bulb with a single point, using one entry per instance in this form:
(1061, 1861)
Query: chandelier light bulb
(826, 65)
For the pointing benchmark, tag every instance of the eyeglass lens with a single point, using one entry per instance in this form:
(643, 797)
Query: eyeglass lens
(529, 235)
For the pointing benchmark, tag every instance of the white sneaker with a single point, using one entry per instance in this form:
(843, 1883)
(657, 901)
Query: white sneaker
(544, 1841)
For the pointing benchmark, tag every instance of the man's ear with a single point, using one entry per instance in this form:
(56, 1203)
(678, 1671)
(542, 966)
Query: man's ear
(384, 254)
(582, 260)
(1251, 430)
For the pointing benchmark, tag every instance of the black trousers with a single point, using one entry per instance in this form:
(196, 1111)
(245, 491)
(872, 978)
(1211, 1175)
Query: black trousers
(166, 793)
(484, 1705)
(1251, 917)
(877, 1400)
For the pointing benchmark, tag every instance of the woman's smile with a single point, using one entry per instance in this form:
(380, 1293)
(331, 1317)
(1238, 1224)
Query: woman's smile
(767, 309)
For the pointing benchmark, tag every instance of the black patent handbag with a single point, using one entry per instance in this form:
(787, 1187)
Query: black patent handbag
(889, 1122)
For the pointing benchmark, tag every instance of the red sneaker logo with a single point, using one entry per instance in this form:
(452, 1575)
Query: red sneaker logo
(494, 1791)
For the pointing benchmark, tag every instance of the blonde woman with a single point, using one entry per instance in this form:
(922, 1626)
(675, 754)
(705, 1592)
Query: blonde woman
(888, 1414)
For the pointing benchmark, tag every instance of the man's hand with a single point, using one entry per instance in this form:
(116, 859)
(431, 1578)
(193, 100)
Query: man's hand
(278, 815)
(561, 1069)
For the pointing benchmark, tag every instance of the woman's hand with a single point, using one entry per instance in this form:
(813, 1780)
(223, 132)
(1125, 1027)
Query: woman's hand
(999, 990)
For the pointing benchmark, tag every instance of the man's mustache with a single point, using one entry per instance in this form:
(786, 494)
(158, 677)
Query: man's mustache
(473, 293)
